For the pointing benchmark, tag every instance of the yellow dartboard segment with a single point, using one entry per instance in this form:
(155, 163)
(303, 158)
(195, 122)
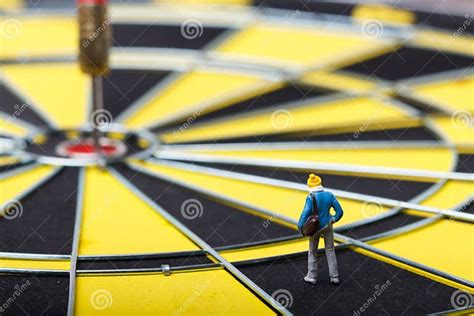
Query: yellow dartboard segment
(35, 264)
(452, 94)
(11, 4)
(193, 93)
(445, 41)
(116, 221)
(384, 13)
(436, 159)
(281, 201)
(449, 196)
(339, 115)
(14, 185)
(441, 240)
(206, 292)
(8, 160)
(458, 129)
(446, 245)
(299, 46)
(67, 106)
(339, 81)
(10, 127)
(25, 36)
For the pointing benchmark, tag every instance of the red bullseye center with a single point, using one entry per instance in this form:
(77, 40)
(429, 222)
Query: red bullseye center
(88, 148)
(85, 148)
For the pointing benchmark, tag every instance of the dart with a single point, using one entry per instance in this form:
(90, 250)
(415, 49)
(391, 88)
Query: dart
(94, 44)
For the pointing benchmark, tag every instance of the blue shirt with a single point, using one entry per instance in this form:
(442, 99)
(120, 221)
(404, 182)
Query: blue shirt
(325, 200)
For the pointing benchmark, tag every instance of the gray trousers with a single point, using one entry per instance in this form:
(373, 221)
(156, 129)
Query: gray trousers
(328, 234)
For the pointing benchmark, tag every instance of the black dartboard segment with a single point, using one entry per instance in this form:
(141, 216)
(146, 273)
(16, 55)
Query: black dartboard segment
(33, 295)
(423, 107)
(465, 163)
(47, 221)
(398, 134)
(371, 230)
(122, 88)
(17, 109)
(291, 92)
(348, 8)
(144, 262)
(410, 62)
(197, 36)
(402, 291)
(336, 8)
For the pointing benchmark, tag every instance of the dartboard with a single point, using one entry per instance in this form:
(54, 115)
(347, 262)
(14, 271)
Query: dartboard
(214, 115)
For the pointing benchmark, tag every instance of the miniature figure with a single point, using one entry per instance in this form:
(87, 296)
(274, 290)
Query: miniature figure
(320, 202)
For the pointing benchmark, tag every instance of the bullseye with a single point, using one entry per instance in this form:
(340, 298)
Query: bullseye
(85, 148)
(76, 147)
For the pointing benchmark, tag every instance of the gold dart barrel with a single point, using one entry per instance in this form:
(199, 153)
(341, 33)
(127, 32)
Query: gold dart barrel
(95, 36)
